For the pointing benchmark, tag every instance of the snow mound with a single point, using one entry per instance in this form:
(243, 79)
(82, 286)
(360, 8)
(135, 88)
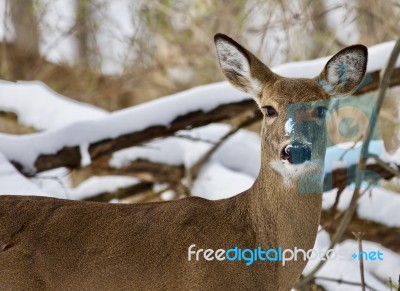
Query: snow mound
(38, 106)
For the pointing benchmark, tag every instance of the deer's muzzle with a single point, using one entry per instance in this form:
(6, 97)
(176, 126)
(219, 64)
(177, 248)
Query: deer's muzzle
(296, 153)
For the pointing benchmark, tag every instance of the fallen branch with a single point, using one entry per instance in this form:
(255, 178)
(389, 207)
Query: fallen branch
(396, 173)
(342, 177)
(70, 157)
(144, 170)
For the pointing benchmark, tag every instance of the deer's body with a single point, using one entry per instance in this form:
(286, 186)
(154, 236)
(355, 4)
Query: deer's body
(57, 244)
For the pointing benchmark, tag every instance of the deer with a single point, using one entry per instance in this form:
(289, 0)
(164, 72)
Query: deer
(57, 244)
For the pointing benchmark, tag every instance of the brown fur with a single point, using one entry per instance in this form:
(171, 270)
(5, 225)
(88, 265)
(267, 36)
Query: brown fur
(53, 244)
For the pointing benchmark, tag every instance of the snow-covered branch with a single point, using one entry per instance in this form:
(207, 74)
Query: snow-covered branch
(78, 142)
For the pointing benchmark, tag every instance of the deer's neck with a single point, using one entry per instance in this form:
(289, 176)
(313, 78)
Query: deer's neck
(279, 213)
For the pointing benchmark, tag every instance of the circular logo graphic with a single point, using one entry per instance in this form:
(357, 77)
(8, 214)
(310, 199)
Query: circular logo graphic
(347, 125)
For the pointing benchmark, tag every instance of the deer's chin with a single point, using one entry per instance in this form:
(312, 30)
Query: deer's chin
(290, 172)
(307, 167)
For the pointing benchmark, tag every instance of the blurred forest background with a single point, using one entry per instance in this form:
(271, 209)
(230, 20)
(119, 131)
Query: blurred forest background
(115, 54)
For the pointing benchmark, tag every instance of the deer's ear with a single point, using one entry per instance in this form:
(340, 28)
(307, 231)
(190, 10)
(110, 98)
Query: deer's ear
(240, 67)
(345, 70)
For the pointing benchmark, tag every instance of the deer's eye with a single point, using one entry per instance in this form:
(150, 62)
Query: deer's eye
(320, 112)
(270, 111)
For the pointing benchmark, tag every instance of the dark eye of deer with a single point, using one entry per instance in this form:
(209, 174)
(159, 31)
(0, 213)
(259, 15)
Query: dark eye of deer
(320, 112)
(270, 111)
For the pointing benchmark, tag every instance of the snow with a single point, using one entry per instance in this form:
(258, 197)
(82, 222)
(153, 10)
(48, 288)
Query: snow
(86, 160)
(391, 158)
(241, 152)
(14, 183)
(97, 185)
(217, 182)
(55, 183)
(378, 205)
(38, 106)
(168, 195)
(345, 155)
(236, 161)
(377, 58)
(347, 268)
(158, 112)
(165, 151)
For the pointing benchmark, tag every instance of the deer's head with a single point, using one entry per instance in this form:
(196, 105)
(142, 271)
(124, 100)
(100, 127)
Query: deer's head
(294, 109)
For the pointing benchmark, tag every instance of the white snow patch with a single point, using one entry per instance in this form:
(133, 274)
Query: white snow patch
(14, 183)
(347, 268)
(217, 182)
(86, 160)
(168, 195)
(38, 106)
(56, 182)
(166, 151)
(97, 185)
(240, 152)
(341, 155)
(391, 158)
(377, 58)
(379, 205)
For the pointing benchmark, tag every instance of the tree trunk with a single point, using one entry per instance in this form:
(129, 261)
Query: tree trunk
(26, 44)
(82, 22)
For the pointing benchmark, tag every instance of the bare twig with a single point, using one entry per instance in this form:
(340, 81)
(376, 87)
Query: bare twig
(340, 281)
(193, 138)
(194, 170)
(334, 207)
(359, 236)
(386, 166)
(398, 289)
(385, 77)
(146, 197)
(58, 179)
(352, 147)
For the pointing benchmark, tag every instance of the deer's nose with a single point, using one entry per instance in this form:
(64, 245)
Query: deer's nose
(296, 153)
